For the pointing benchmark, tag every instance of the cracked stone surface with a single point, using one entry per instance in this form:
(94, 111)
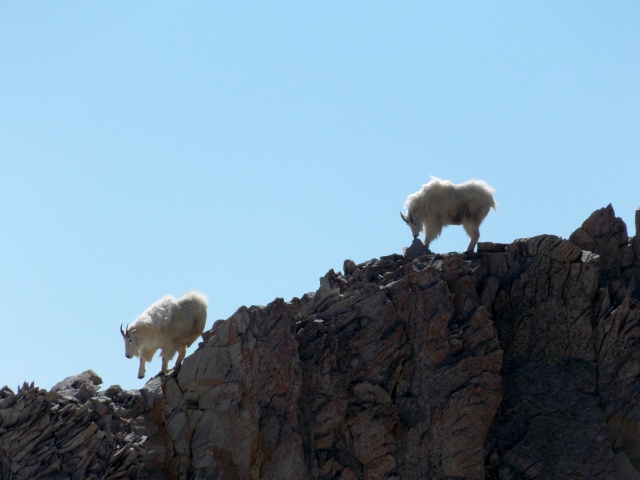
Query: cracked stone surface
(519, 361)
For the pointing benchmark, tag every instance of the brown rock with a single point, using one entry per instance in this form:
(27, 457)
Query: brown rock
(519, 361)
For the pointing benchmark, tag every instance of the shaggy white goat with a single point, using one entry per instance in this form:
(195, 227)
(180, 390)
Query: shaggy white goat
(169, 324)
(440, 203)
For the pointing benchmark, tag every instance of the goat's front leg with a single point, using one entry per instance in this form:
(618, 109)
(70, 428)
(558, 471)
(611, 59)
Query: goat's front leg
(141, 368)
(431, 233)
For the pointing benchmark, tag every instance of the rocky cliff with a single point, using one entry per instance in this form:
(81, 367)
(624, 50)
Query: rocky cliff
(519, 361)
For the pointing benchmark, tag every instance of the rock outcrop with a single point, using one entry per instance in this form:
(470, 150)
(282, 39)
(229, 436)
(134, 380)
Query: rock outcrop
(520, 361)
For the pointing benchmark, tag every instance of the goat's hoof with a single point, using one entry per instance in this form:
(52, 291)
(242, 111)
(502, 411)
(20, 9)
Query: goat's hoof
(140, 377)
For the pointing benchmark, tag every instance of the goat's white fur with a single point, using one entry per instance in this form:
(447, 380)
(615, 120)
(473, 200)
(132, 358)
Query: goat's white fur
(440, 203)
(169, 324)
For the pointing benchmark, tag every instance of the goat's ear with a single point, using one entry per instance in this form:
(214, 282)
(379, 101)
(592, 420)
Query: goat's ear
(404, 218)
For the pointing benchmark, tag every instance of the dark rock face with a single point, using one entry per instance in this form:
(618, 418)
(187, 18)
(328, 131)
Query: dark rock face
(520, 361)
(389, 364)
(74, 431)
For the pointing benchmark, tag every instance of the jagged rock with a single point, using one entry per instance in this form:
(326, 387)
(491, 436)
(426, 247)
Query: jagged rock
(519, 361)
(81, 387)
(606, 235)
(416, 249)
(492, 247)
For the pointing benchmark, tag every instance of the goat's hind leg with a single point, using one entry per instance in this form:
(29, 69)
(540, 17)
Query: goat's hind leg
(165, 363)
(182, 351)
(473, 231)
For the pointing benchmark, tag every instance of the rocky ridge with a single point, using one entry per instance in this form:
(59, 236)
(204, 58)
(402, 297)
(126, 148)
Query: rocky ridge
(520, 361)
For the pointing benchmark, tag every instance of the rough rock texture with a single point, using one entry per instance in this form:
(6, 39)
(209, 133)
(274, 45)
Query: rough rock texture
(76, 432)
(520, 361)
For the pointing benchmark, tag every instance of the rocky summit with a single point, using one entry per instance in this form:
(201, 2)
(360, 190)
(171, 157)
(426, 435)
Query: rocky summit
(519, 361)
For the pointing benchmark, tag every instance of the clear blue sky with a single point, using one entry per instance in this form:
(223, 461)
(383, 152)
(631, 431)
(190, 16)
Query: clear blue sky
(244, 149)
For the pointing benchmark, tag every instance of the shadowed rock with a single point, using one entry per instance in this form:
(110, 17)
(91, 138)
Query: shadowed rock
(519, 361)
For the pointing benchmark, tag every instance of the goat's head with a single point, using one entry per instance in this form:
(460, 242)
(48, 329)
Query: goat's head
(410, 220)
(131, 342)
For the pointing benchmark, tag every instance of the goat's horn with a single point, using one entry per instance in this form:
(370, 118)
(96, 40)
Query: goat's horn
(124, 334)
(403, 217)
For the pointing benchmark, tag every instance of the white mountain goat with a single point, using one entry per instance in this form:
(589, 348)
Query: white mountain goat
(440, 203)
(169, 324)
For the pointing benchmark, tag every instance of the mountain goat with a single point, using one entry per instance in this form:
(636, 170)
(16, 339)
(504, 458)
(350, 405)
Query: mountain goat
(440, 203)
(169, 324)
